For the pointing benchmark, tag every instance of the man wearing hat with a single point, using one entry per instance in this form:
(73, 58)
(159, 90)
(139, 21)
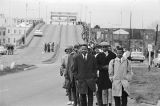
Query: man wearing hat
(63, 71)
(104, 83)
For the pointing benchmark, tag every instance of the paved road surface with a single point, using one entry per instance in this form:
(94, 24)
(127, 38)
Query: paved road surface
(41, 86)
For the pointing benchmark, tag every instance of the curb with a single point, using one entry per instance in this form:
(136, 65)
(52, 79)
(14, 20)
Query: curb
(142, 102)
(30, 68)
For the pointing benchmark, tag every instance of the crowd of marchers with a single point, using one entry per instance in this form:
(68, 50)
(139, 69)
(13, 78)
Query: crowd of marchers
(96, 71)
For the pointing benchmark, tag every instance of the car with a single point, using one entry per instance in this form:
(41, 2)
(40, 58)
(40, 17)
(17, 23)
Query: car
(38, 33)
(3, 50)
(137, 56)
(156, 61)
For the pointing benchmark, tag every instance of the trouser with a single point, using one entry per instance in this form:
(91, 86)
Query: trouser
(99, 96)
(83, 98)
(75, 93)
(69, 94)
(121, 101)
(107, 96)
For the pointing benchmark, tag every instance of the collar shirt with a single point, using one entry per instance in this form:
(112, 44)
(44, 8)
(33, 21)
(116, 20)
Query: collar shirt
(120, 59)
(84, 56)
(96, 55)
(106, 53)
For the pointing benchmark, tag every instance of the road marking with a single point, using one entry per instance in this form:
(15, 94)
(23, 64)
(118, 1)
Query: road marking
(4, 90)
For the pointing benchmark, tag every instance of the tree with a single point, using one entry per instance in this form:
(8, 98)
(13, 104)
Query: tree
(96, 27)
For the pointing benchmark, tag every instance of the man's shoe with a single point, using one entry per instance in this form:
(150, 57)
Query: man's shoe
(72, 102)
(69, 103)
(110, 104)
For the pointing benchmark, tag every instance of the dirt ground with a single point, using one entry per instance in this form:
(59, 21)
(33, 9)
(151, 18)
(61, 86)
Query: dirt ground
(145, 86)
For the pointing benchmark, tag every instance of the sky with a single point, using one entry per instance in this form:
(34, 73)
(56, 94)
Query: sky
(105, 13)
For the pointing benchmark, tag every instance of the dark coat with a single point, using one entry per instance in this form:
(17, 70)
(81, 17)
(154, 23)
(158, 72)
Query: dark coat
(102, 63)
(85, 73)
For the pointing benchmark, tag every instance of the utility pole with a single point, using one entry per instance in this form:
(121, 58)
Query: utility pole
(155, 50)
(90, 26)
(39, 9)
(25, 23)
(121, 17)
(46, 13)
(85, 13)
(130, 34)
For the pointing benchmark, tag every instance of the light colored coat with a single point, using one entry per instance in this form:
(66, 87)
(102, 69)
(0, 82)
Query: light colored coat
(120, 75)
(64, 62)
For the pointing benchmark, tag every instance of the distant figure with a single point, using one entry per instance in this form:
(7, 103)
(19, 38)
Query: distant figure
(48, 47)
(9, 49)
(23, 40)
(52, 47)
(45, 47)
(12, 49)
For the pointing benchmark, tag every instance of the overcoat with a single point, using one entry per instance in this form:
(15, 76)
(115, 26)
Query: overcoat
(102, 63)
(120, 73)
(70, 65)
(85, 73)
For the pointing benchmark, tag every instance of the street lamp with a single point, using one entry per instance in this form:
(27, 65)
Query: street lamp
(25, 34)
(90, 26)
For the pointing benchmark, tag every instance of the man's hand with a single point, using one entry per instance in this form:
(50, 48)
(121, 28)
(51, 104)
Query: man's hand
(111, 78)
(98, 73)
(105, 67)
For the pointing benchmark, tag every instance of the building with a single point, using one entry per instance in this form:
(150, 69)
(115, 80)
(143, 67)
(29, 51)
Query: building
(138, 38)
(2, 20)
(13, 29)
(100, 35)
(120, 38)
(14, 33)
(2, 35)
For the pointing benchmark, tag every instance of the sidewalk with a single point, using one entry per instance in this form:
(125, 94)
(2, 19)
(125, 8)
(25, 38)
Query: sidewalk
(131, 102)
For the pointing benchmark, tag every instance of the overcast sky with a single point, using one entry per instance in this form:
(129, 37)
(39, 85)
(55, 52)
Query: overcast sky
(106, 13)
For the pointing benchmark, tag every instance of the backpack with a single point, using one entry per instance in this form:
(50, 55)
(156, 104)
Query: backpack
(127, 66)
(114, 63)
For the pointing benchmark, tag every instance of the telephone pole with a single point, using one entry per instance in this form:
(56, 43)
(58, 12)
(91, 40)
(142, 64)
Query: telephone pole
(155, 50)
(39, 9)
(130, 34)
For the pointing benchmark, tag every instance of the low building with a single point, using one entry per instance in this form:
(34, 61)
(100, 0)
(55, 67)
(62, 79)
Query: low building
(14, 33)
(2, 35)
(120, 38)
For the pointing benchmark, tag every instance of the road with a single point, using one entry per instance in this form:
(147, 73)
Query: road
(41, 86)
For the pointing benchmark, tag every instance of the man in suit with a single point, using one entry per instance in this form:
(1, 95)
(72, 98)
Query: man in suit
(84, 71)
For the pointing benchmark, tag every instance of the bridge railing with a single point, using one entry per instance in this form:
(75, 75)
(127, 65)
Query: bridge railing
(21, 40)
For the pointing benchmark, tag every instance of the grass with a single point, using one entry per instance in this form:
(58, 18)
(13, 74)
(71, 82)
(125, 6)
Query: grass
(145, 86)
(17, 68)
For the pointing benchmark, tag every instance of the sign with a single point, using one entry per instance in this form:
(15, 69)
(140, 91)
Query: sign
(63, 17)
(27, 20)
(150, 47)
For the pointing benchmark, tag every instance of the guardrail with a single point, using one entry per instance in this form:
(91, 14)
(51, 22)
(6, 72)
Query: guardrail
(20, 41)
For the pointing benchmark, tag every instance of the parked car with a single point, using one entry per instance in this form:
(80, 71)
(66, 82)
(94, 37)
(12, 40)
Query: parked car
(38, 33)
(137, 56)
(3, 50)
(156, 61)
